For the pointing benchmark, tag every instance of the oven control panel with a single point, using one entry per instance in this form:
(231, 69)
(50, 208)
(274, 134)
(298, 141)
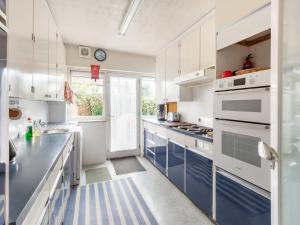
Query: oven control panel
(250, 80)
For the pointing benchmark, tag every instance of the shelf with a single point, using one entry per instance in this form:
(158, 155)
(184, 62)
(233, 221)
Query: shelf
(261, 37)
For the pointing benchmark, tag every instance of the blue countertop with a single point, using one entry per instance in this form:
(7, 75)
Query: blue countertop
(170, 125)
(34, 161)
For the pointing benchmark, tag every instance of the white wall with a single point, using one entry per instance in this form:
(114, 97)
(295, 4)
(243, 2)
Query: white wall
(115, 60)
(200, 108)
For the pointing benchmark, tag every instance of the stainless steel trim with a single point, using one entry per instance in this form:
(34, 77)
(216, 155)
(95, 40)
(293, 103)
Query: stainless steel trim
(2, 14)
(153, 153)
(244, 90)
(55, 183)
(244, 183)
(3, 27)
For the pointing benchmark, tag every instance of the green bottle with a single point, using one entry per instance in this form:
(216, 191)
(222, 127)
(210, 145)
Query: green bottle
(28, 135)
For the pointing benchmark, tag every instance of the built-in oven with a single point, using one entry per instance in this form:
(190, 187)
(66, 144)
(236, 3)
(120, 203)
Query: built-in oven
(236, 150)
(250, 105)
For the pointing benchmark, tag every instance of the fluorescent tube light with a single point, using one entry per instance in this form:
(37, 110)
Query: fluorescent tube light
(133, 8)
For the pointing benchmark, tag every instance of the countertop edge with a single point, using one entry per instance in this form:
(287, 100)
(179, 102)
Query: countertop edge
(176, 130)
(20, 219)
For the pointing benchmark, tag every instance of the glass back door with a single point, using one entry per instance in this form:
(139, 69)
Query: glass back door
(123, 115)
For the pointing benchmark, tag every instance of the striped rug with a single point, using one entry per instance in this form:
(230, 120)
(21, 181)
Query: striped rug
(116, 202)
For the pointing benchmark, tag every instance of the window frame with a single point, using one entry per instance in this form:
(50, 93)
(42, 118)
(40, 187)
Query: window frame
(141, 96)
(101, 118)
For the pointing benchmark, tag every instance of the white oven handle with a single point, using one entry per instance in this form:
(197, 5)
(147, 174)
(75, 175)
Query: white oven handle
(243, 124)
(264, 89)
(244, 183)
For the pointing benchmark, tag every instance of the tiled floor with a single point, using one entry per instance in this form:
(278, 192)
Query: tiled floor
(166, 202)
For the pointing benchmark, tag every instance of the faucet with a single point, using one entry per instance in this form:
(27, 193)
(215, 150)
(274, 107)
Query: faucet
(42, 123)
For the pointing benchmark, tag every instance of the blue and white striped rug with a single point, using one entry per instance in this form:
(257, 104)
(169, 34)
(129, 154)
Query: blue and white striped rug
(116, 202)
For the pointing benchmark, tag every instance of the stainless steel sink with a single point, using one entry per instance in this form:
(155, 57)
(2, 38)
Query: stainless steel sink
(56, 131)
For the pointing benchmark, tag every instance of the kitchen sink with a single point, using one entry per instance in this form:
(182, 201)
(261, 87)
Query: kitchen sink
(56, 131)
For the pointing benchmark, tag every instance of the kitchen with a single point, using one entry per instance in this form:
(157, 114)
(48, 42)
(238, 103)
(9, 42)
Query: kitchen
(124, 112)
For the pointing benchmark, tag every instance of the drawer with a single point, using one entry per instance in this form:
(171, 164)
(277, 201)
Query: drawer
(55, 172)
(37, 209)
(177, 137)
(157, 129)
(68, 149)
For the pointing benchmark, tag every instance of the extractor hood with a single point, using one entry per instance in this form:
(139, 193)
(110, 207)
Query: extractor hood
(196, 78)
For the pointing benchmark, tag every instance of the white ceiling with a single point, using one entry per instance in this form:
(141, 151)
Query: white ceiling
(96, 22)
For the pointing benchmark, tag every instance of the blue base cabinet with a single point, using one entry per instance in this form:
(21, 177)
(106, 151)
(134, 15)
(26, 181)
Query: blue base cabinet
(199, 181)
(161, 153)
(238, 205)
(149, 146)
(176, 155)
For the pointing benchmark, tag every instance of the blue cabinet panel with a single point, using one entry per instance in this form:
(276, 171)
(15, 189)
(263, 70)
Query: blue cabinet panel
(238, 205)
(149, 146)
(176, 164)
(161, 153)
(199, 181)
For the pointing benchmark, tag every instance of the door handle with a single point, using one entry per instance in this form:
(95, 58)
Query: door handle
(266, 152)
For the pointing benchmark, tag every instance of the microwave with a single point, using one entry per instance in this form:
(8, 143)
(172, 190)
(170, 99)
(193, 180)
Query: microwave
(236, 150)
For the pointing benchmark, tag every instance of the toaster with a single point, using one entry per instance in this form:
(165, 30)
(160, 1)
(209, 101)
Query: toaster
(173, 117)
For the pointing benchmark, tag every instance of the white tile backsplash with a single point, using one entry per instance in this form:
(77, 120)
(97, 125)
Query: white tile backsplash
(34, 109)
(200, 108)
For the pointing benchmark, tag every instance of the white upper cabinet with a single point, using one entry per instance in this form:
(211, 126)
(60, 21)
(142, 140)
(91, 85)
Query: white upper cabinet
(61, 68)
(20, 49)
(41, 49)
(52, 79)
(208, 44)
(172, 71)
(37, 57)
(190, 52)
(161, 78)
(230, 11)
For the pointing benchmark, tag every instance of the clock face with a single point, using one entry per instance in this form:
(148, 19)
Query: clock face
(100, 55)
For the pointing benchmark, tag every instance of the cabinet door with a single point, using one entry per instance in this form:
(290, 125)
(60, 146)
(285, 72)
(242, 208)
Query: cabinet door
(172, 71)
(67, 182)
(199, 181)
(61, 69)
(56, 203)
(41, 33)
(208, 44)
(20, 48)
(238, 205)
(176, 164)
(161, 153)
(150, 146)
(190, 52)
(160, 78)
(52, 89)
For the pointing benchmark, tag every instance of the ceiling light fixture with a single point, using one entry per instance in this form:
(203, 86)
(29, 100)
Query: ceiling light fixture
(133, 8)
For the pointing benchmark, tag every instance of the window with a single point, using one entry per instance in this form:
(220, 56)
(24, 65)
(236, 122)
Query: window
(148, 103)
(88, 96)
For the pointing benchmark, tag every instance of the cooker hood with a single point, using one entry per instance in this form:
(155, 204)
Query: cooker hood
(196, 78)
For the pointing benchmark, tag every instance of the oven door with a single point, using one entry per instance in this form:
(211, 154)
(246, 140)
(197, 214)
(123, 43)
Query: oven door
(236, 150)
(251, 105)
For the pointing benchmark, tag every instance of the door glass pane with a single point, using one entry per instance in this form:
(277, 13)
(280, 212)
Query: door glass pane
(242, 105)
(123, 110)
(290, 127)
(241, 147)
